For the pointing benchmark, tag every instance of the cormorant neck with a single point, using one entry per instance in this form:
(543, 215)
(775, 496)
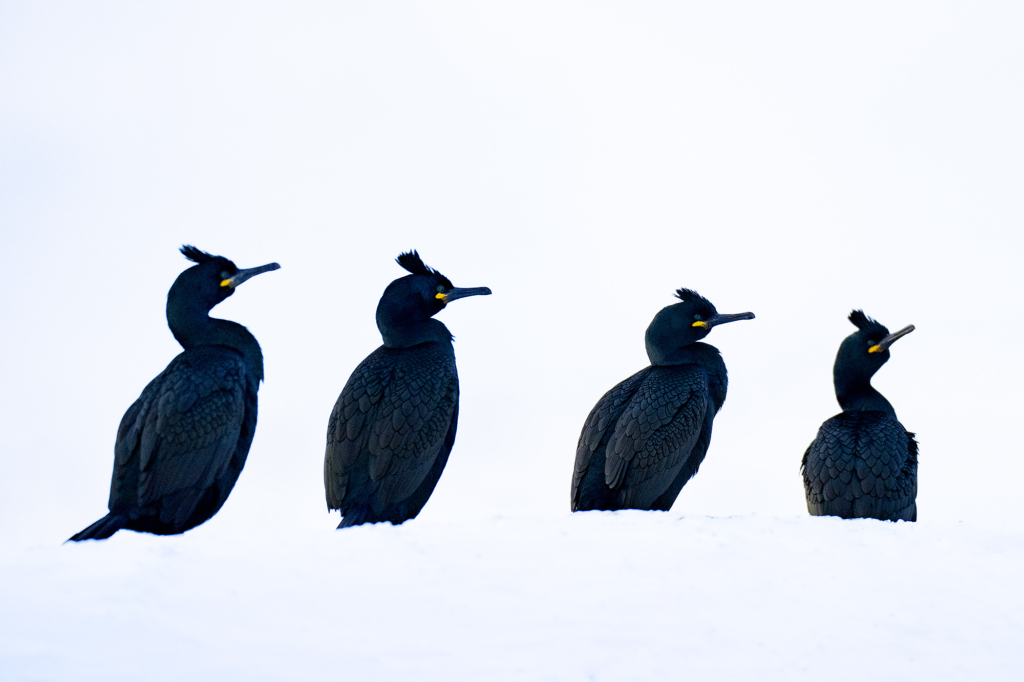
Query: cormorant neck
(690, 354)
(858, 395)
(407, 334)
(705, 356)
(193, 327)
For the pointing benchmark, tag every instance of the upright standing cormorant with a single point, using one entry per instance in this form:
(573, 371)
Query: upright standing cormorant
(863, 464)
(647, 436)
(181, 446)
(393, 427)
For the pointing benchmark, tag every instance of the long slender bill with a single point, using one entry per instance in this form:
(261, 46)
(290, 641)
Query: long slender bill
(245, 274)
(723, 319)
(457, 293)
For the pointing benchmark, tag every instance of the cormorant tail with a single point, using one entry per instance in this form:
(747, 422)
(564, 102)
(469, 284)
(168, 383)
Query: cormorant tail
(102, 529)
(358, 517)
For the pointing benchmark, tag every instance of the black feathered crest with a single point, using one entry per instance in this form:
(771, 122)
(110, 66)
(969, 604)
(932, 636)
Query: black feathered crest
(195, 255)
(411, 261)
(865, 323)
(691, 296)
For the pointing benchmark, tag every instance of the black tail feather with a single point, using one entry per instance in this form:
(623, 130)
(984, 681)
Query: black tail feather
(358, 517)
(102, 529)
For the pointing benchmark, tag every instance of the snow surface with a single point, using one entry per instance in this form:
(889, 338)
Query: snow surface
(595, 596)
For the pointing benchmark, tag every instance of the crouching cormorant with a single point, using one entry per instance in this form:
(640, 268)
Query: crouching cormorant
(393, 426)
(863, 464)
(647, 436)
(181, 446)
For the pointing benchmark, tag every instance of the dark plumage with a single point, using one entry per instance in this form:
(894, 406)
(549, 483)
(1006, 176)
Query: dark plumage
(181, 445)
(647, 436)
(393, 427)
(863, 464)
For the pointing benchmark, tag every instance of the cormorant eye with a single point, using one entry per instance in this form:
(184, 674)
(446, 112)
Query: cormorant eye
(698, 317)
(225, 275)
(440, 288)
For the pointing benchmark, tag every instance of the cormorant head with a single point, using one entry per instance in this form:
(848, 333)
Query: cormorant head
(211, 280)
(411, 300)
(863, 352)
(682, 324)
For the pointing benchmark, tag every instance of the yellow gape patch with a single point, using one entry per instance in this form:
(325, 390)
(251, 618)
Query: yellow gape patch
(874, 349)
(700, 323)
(442, 297)
(226, 283)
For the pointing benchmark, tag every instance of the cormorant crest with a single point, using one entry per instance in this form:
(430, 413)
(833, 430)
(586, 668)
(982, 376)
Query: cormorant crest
(195, 255)
(411, 261)
(691, 296)
(865, 323)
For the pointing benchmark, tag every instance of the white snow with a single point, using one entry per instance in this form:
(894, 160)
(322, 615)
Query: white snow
(595, 596)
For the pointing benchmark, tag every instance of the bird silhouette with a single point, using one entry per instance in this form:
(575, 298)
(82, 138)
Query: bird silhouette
(181, 446)
(393, 426)
(647, 437)
(863, 463)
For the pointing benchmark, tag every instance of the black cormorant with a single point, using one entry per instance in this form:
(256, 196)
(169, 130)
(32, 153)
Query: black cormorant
(863, 464)
(181, 446)
(393, 427)
(647, 436)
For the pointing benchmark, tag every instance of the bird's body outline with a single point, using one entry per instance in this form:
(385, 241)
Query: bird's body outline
(648, 435)
(863, 462)
(393, 426)
(183, 442)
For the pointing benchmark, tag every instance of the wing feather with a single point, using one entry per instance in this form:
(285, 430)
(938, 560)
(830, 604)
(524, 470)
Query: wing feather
(597, 430)
(179, 437)
(389, 425)
(351, 423)
(861, 465)
(653, 439)
(641, 433)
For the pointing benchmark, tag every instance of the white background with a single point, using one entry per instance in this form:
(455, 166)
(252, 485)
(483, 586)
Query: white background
(581, 159)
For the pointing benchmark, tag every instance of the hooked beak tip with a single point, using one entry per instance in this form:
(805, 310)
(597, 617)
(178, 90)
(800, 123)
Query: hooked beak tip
(891, 339)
